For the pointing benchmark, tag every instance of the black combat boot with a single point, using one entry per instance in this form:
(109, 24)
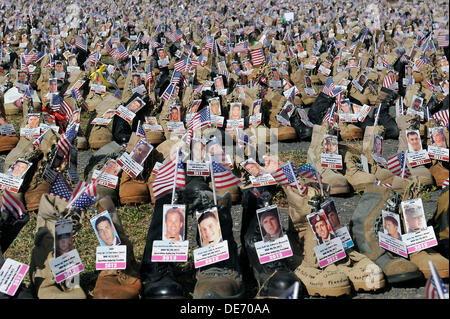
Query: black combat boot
(275, 277)
(158, 279)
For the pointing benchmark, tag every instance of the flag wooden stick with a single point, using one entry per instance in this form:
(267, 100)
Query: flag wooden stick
(213, 182)
(175, 178)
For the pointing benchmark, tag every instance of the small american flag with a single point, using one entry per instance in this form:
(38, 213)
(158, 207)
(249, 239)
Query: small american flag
(198, 121)
(241, 47)
(12, 205)
(60, 189)
(140, 130)
(81, 42)
(396, 164)
(257, 56)
(435, 288)
(182, 65)
(87, 198)
(445, 183)
(284, 175)
(38, 141)
(223, 177)
(165, 178)
(442, 38)
(122, 52)
(307, 171)
(75, 93)
(443, 117)
(66, 139)
(94, 57)
(329, 87)
(388, 80)
(169, 92)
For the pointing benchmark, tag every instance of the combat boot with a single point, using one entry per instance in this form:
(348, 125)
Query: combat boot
(365, 224)
(337, 182)
(422, 257)
(110, 151)
(350, 132)
(439, 172)
(158, 278)
(354, 172)
(302, 131)
(274, 277)
(386, 99)
(222, 279)
(328, 281)
(43, 282)
(319, 108)
(408, 122)
(118, 284)
(440, 222)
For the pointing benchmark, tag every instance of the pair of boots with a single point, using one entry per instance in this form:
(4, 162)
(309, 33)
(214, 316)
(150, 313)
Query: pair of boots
(365, 224)
(355, 270)
(219, 280)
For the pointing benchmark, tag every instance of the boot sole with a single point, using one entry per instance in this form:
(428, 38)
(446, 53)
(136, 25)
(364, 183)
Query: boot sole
(329, 292)
(213, 295)
(443, 273)
(404, 277)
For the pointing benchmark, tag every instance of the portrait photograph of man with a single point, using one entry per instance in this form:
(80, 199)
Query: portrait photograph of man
(391, 225)
(330, 144)
(209, 227)
(321, 227)
(437, 137)
(414, 141)
(105, 230)
(269, 224)
(174, 221)
(141, 151)
(18, 169)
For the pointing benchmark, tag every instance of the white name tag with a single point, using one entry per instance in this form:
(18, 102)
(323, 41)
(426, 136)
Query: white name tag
(30, 132)
(438, 153)
(392, 244)
(7, 130)
(66, 265)
(263, 180)
(129, 166)
(255, 120)
(211, 254)
(197, 168)
(12, 274)
(217, 120)
(100, 121)
(420, 240)
(170, 251)
(111, 257)
(125, 113)
(176, 127)
(232, 124)
(273, 250)
(106, 179)
(333, 161)
(329, 252)
(10, 182)
(418, 158)
(100, 89)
